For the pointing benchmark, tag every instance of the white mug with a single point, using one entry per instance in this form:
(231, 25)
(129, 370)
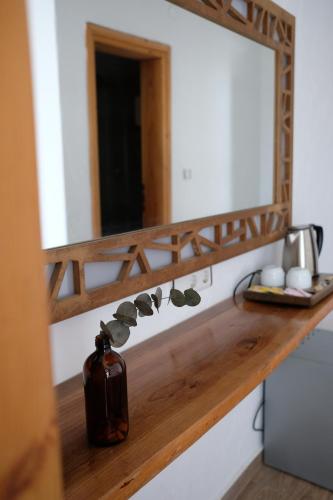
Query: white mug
(272, 276)
(299, 277)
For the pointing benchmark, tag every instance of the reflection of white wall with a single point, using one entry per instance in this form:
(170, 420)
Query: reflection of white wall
(245, 129)
(203, 89)
(43, 49)
(267, 118)
(201, 125)
(252, 123)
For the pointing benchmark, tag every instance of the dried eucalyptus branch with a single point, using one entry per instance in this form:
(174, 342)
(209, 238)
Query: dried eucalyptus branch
(118, 330)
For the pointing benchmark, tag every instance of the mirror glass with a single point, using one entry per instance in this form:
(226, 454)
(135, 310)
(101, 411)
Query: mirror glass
(222, 101)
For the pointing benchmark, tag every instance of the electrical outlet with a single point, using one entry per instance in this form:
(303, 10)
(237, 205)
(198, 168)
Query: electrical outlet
(200, 280)
(187, 174)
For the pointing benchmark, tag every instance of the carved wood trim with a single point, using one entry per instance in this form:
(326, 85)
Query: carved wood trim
(237, 232)
(209, 240)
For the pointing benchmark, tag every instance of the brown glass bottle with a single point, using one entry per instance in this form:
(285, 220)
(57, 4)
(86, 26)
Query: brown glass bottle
(105, 389)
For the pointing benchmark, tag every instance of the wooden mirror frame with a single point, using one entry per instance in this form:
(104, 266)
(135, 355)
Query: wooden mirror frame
(230, 234)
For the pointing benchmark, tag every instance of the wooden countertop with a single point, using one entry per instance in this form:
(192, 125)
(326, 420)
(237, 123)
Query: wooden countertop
(180, 384)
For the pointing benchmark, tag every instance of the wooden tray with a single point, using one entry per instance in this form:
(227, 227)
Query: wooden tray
(290, 299)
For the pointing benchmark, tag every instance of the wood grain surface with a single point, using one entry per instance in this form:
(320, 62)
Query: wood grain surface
(29, 465)
(180, 383)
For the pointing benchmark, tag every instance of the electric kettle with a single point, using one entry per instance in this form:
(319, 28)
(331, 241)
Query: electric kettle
(302, 247)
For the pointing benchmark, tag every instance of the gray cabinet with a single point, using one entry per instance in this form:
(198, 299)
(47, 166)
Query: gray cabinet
(298, 415)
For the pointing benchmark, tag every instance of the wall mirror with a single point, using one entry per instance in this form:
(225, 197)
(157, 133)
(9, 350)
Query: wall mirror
(177, 133)
(214, 154)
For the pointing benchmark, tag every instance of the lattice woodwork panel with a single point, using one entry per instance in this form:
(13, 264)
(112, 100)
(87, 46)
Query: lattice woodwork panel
(231, 234)
(192, 245)
(285, 73)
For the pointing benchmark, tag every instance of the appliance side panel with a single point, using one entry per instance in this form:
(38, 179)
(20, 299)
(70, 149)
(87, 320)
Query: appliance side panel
(298, 436)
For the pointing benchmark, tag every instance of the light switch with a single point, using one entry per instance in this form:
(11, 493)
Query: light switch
(200, 280)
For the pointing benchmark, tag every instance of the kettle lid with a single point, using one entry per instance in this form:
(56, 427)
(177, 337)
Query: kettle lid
(294, 229)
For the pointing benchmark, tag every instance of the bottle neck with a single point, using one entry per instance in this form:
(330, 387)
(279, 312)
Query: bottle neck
(102, 343)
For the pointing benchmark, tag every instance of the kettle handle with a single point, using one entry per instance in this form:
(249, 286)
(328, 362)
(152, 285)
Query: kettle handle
(320, 237)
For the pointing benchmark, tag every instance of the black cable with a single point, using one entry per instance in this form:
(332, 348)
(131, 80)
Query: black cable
(252, 275)
(258, 429)
(243, 279)
(252, 278)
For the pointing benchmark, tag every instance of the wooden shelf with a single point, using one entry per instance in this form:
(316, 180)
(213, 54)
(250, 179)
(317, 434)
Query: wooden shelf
(180, 384)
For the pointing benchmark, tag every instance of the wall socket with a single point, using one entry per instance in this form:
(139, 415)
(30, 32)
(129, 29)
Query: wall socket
(200, 280)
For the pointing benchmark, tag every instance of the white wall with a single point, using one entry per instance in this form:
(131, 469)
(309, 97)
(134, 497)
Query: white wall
(207, 470)
(252, 104)
(212, 464)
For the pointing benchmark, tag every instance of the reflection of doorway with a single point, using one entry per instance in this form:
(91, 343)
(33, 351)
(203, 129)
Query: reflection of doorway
(129, 105)
(119, 143)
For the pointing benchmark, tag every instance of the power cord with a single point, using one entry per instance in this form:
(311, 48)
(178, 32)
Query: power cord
(258, 429)
(243, 279)
(251, 276)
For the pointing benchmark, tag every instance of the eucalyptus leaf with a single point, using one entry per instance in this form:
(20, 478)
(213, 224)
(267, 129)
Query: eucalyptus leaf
(104, 328)
(145, 298)
(118, 333)
(127, 313)
(157, 298)
(177, 297)
(144, 308)
(158, 294)
(192, 298)
(143, 303)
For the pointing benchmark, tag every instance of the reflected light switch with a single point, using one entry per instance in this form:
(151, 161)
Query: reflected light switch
(187, 174)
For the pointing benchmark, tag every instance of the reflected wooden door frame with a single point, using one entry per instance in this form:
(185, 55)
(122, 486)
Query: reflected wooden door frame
(154, 61)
